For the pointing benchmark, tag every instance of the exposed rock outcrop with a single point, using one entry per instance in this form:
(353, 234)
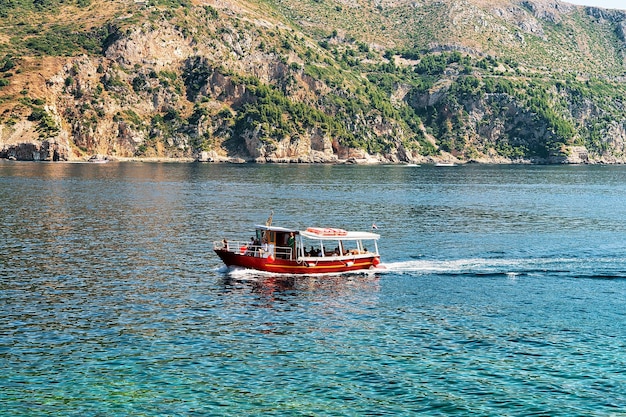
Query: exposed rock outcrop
(217, 82)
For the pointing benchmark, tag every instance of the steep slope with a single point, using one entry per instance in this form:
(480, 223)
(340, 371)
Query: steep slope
(313, 81)
(540, 34)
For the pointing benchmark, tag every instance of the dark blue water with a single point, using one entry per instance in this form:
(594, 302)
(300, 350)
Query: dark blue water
(505, 292)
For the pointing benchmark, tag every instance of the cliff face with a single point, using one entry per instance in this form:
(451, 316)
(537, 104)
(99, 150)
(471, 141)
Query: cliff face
(235, 81)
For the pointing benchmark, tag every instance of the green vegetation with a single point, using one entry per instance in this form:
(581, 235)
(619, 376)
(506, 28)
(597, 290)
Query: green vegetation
(14, 8)
(60, 40)
(278, 117)
(46, 125)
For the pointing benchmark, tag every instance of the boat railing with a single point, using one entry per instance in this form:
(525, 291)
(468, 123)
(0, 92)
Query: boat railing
(246, 248)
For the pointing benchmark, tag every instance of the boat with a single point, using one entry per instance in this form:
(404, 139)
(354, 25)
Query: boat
(314, 250)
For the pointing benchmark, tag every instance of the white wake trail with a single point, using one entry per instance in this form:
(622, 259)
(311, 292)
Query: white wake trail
(464, 266)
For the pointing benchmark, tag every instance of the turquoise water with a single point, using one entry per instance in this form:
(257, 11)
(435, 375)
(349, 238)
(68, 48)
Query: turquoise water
(504, 294)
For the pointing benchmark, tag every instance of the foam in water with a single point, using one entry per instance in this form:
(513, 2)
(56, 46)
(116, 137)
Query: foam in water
(457, 266)
(513, 268)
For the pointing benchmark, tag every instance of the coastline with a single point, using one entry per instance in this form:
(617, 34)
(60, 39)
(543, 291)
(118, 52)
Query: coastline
(441, 161)
(445, 159)
(352, 161)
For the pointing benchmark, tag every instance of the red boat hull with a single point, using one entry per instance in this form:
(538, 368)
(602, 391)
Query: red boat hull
(285, 266)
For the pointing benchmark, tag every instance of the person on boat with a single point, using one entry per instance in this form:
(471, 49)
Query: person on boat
(266, 249)
(225, 244)
(250, 248)
(256, 244)
(291, 242)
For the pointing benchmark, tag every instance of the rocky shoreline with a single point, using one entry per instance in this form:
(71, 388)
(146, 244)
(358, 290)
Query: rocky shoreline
(53, 152)
(350, 161)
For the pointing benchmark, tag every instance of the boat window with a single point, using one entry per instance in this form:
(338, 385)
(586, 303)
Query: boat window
(351, 247)
(267, 235)
(332, 247)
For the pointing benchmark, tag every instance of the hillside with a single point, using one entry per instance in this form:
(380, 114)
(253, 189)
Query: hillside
(313, 81)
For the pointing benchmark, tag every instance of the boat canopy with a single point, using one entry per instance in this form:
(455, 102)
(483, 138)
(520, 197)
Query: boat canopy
(275, 229)
(337, 234)
(321, 233)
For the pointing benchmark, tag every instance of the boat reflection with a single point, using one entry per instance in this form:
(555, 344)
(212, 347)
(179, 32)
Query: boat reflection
(286, 287)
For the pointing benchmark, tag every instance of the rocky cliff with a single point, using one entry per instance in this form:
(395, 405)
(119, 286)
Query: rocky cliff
(506, 81)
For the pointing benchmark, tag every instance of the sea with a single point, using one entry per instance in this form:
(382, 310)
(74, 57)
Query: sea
(503, 293)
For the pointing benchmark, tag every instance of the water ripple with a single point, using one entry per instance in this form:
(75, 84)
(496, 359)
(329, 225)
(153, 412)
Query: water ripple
(112, 303)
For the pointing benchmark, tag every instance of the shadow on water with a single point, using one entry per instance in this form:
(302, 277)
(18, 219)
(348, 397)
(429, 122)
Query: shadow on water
(287, 288)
